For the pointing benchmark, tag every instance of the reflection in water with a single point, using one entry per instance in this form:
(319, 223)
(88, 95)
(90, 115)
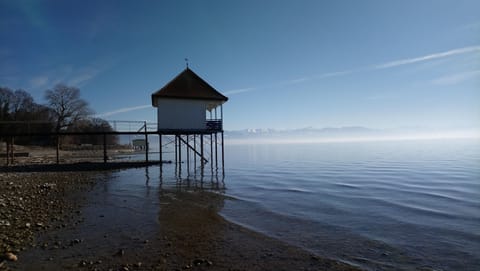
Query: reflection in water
(208, 180)
(188, 214)
(139, 211)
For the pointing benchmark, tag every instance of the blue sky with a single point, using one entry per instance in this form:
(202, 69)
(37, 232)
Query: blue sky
(283, 64)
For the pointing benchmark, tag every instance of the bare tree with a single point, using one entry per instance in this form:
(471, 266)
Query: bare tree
(6, 95)
(67, 105)
(22, 105)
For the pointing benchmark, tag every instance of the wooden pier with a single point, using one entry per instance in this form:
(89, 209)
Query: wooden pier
(190, 116)
(191, 143)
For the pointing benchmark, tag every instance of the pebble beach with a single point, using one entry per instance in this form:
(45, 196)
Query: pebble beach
(41, 210)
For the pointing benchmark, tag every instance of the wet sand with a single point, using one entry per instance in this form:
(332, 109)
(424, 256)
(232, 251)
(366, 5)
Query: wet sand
(190, 234)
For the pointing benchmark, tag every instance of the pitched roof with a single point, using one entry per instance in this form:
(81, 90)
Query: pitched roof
(188, 85)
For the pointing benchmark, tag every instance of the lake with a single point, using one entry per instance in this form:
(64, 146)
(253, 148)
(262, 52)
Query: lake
(396, 204)
(392, 205)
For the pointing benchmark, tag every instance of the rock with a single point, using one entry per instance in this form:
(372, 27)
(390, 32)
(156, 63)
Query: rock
(120, 253)
(198, 262)
(47, 186)
(11, 257)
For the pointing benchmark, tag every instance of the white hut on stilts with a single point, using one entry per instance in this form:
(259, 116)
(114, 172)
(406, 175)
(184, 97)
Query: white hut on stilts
(190, 109)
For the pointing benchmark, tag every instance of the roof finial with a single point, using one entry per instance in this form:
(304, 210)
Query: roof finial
(186, 62)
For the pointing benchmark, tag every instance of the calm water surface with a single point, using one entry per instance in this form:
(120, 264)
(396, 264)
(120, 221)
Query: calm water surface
(400, 205)
(379, 205)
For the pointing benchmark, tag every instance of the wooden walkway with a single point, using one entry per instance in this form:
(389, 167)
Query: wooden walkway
(182, 137)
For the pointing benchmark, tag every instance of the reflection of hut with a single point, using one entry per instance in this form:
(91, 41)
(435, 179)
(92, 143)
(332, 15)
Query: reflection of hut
(189, 108)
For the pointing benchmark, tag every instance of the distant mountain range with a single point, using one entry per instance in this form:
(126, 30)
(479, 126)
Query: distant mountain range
(303, 132)
(342, 134)
(328, 134)
(307, 130)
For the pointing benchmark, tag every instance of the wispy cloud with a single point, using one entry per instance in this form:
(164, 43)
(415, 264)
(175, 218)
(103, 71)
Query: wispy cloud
(123, 110)
(84, 75)
(333, 74)
(237, 91)
(380, 66)
(407, 61)
(457, 78)
(71, 75)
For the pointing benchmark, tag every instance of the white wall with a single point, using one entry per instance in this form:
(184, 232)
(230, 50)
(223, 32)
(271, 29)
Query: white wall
(181, 114)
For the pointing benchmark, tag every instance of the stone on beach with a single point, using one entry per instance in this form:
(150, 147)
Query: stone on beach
(11, 257)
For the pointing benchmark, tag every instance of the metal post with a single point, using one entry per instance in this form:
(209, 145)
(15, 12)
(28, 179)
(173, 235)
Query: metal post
(188, 156)
(179, 150)
(194, 148)
(221, 119)
(7, 146)
(211, 151)
(58, 148)
(105, 148)
(12, 150)
(175, 148)
(201, 150)
(216, 152)
(223, 156)
(146, 143)
(160, 148)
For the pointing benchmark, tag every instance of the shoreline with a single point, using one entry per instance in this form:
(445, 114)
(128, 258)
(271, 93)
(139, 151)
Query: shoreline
(191, 235)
